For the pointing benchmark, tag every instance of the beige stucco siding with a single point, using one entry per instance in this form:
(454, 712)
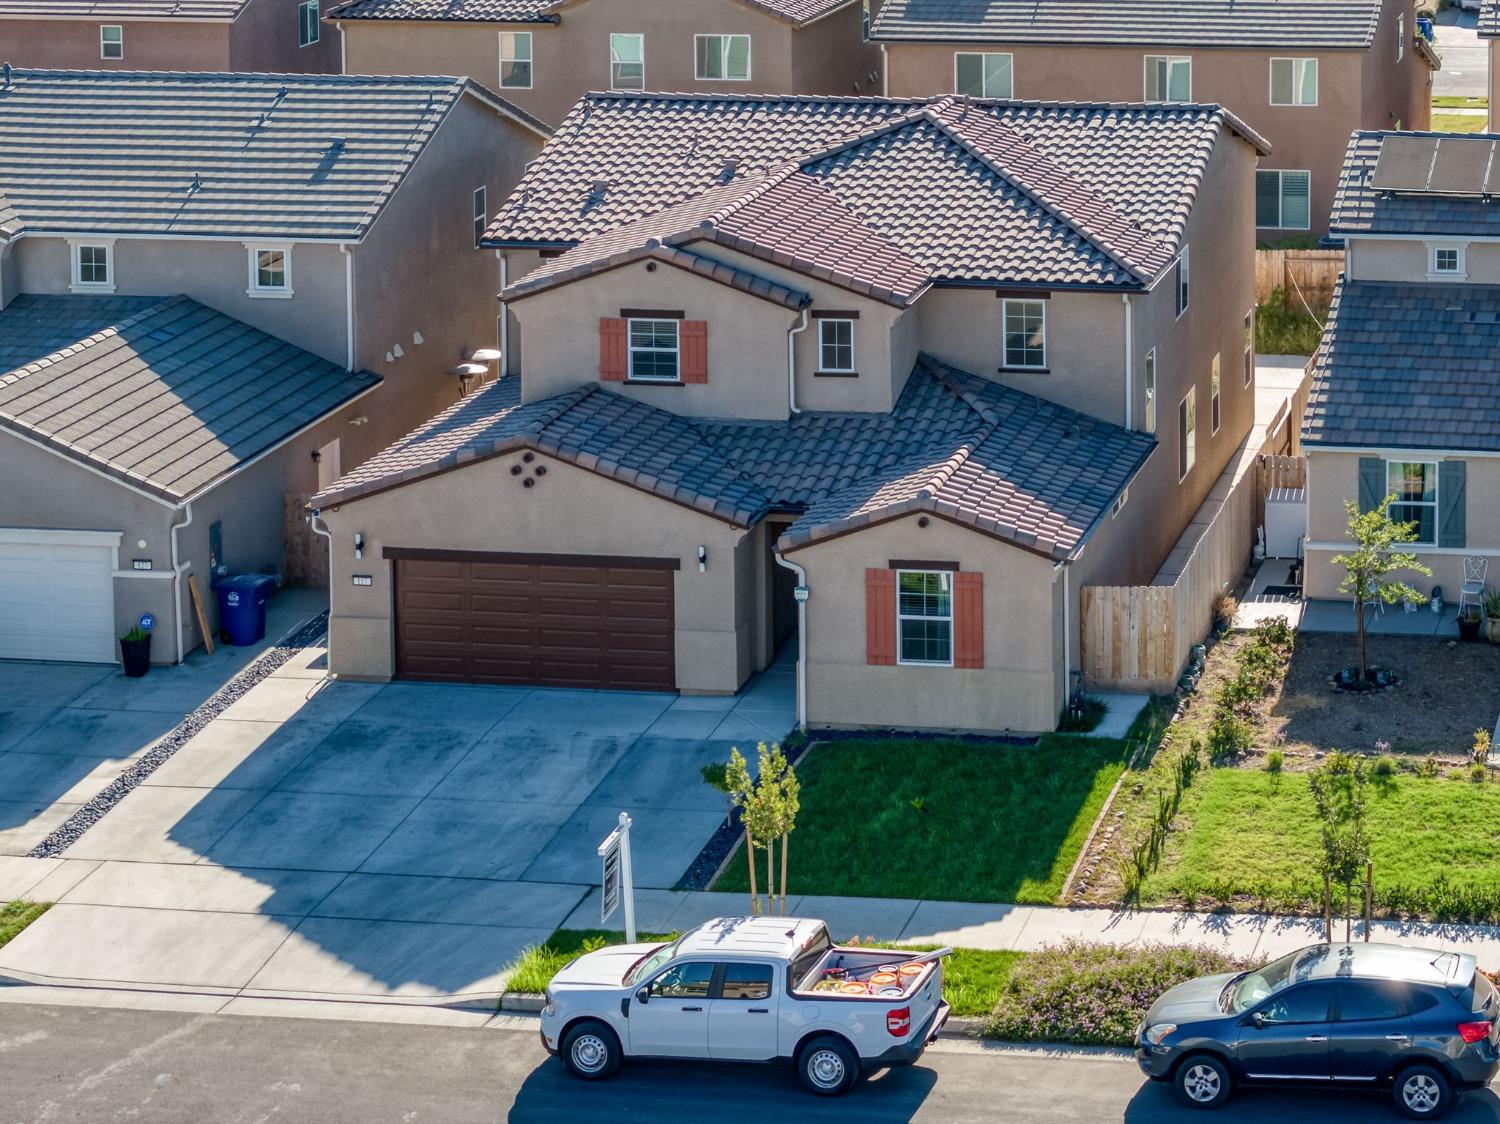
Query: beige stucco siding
(266, 38)
(1396, 91)
(1018, 687)
(74, 44)
(1390, 259)
(571, 511)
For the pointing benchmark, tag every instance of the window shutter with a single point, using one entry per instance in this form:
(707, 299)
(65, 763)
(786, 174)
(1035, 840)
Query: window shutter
(880, 616)
(1371, 483)
(968, 619)
(614, 355)
(1452, 488)
(694, 334)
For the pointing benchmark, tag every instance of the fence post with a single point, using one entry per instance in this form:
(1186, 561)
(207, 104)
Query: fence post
(1369, 896)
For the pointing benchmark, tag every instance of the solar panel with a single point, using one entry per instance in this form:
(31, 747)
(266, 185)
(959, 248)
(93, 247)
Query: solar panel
(1460, 166)
(1429, 165)
(1404, 164)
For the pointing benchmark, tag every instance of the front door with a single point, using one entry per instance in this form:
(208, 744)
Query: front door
(1371, 1032)
(1291, 1041)
(673, 1022)
(742, 1019)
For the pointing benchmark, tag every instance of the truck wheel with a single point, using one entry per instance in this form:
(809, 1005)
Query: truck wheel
(828, 1066)
(1422, 1092)
(1202, 1081)
(590, 1050)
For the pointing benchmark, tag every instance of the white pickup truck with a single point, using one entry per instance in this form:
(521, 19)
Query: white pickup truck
(756, 989)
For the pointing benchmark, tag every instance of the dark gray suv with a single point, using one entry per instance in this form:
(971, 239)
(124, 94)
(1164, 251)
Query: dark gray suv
(1422, 1023)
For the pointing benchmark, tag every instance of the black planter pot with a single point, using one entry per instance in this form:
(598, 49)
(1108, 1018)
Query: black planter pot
(1468, 628)
(136, 656)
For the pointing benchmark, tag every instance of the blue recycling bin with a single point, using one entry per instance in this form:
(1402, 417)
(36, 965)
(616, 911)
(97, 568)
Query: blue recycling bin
(242, 606)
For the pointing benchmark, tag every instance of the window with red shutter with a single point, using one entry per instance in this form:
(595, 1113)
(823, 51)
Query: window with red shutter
(968, 619)
(694, 336)
(880, 616)
(614, 353)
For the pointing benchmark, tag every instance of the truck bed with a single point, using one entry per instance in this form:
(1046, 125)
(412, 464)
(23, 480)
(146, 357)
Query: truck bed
(836, 975)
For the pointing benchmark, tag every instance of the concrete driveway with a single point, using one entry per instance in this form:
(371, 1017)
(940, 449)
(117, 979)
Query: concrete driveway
(401, 842)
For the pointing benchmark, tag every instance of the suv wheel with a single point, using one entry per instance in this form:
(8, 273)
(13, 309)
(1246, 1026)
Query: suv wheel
(828, 1066)
(1202, 1081)
(1423, 1093)
(590, 1050)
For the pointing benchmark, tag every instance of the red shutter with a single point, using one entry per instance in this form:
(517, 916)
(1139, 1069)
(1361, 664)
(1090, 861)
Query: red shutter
(880, 616)
(614, 357)
(968, 619)
(694, 350)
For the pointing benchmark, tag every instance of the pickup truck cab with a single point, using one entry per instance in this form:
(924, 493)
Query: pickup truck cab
(747, 989)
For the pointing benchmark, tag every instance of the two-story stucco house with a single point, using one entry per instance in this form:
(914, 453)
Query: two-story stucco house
(1406, 386)
(546, 54)
(1489, 31)
(899, 376)
(274, 36)
(1298, 72)
(217, 291)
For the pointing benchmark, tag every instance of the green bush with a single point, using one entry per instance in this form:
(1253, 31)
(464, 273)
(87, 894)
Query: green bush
(1095, 994)
(1283, 327)
(1385, 766)
(1274, 761)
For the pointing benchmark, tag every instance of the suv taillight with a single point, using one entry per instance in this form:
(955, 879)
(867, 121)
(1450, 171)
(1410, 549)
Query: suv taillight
(898, 1022)
(1473, 1032)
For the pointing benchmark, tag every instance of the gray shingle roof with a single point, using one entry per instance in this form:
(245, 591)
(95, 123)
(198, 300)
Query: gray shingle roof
(188, 10)
(1408, 365)
(1359, 208)
(169, 398)
(539, 11)
(1004, 462)
(1206, 23)
(882, 195)
(213, 155)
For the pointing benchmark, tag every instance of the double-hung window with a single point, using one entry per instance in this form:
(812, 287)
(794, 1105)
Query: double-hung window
(1168, 78)
(1294, 81)
(1446, 262)
(1215, 409)
(1283, 199)
(111, 41)
(1249, 347)
(481, 213)
(627, 62)
(93, 267)
(924, 617)
(1415, 486)
(515, 60)
(655, 351)
(1187, 434)
(1025, 323)
(270, 271)
(836, 346)
(1150, 378)
(722, 58)
(307, 23)
(1182, 280)
(986, 75)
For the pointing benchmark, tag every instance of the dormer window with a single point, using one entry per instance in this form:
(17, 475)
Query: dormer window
(270, 271)
(655, 351)
(93, 267)
(1446, 263)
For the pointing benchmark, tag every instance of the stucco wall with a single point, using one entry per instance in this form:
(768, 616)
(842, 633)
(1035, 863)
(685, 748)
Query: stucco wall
(1396, 91)
(832, 56)
(571, 511)
(266, 38)
(74, 44)
(1017, 689)
(1379, 259)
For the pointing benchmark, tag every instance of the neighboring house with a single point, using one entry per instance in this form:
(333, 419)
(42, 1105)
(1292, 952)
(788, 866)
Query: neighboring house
(199, 275)
(546, 54)
(1299, 72)
(1406, 384)
(279, 36)
(947, 360)
(1489, 29)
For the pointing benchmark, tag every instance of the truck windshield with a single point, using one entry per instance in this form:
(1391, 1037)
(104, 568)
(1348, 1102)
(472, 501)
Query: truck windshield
(647, 965)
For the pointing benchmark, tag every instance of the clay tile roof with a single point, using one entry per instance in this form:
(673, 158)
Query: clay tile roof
(1407, 365)
(187, 10)
(540, 11)
(1359, 208)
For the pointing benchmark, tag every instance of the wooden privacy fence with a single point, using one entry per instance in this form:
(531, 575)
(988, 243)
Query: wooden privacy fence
(1310, 272)
(306, 551)
(1282, 472)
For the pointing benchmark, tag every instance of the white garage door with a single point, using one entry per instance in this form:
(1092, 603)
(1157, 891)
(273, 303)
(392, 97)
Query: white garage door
(57, 595)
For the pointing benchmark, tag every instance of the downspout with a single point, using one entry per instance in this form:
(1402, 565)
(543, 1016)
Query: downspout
(504, 364)
(885, 72)
(1129, 361)
(348, 301)
(1067, 633)
(312, 521)
(802, 593)
(791, 362)
(177, 571)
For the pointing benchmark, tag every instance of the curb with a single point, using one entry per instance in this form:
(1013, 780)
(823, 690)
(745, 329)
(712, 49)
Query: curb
(522, 1004)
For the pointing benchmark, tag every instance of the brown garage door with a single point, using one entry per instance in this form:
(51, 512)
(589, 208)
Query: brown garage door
(549, 622)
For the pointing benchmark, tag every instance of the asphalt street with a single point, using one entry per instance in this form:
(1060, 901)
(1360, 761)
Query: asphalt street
(84, 1064)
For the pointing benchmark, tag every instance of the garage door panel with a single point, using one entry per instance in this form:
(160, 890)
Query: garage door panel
(57, 600)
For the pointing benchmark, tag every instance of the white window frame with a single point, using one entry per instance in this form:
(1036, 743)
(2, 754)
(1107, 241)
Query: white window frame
(1281, 175)
(1434, 503)
(103, 45)
(823, 325)
(724, 39)
(76, 283)
(529, 60)
(1215, 398)
(1249, 330)
(1182, 281)
(984, 70)
(481, 213)
(946, 576)
(1459, 273)
(273, 292)
(303, 26)
(1400, 36)
(1187, 434)
(631, 349)
(1120, 501)
(1005, 334)
(1299, 65)
(614, 63)
(1148, 369)
(1171, 62)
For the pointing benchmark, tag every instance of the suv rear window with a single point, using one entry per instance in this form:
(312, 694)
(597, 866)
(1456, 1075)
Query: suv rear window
(1483, 994)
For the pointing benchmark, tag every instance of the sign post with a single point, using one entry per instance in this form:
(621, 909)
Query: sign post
(617, 882)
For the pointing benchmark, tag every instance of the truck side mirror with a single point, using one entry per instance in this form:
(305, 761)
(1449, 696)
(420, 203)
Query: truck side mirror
(643, 994)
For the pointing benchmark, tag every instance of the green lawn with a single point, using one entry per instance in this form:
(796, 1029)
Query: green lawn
(538, 963)
(1243, 831)
(15, 916)
(943, 819)
(1460, 101)
(1458, 122)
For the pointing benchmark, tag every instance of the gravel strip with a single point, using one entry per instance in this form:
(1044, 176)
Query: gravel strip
(69, 831)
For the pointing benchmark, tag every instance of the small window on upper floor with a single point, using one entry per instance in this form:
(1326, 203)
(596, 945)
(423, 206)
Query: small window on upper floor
(481, 213)
(111, 41)
(627, 62)
(1400, 36)
(989, 75)
(1187, 434)
(270, 271)
(1446, 262)
(836, 345)
(307, 23)
(93, 267)
(1025, 328)
(1168, 78)
(722, 58)
(1183, 287)
(1150, 380)
(1216, 411)
(515, 60)
(1294, 81)
(655, 351)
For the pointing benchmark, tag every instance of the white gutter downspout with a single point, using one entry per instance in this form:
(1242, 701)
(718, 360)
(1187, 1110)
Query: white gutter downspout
(1067, 633)
(178, 569)
(1129, 360)
(312, 521)
(348, 302)
(504, 364)
(791, 362)
(885, 72)
(801, 594)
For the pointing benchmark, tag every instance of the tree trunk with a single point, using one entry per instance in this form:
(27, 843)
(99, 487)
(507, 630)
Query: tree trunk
(1359, 631)
(770, 876)
(785, 839)
(1348, 912)
(1327, 910)
(754, 894)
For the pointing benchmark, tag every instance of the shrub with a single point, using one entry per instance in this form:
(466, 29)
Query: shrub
(1095, 994)
(1477, 772)
(1480, 753)
(1084, 720)
(1274, 760)
(1384, 767)
(1228, 735)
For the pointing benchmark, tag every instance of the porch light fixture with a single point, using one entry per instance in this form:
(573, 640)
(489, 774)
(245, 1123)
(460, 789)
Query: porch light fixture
(359, 544)
(702, 559)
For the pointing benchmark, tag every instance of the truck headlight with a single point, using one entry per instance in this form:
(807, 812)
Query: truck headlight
(1153, 1035)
